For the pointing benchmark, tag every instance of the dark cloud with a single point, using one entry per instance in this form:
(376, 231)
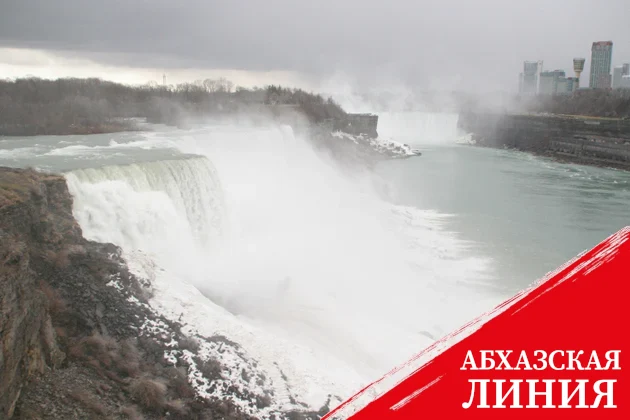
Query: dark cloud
(478, 43)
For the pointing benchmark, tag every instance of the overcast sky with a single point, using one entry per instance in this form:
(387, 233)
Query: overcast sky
(475, 45)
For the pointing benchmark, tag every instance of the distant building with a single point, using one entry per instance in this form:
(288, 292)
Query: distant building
(601, 60)
(552, 82)
(573, 83)
(529, 84)
(566, 85)
(561, 85)
(625, 82)
(546, 83)
(616, 79)
(618, 73)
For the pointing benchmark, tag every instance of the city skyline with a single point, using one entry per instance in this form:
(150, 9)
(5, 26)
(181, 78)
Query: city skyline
(601, 75)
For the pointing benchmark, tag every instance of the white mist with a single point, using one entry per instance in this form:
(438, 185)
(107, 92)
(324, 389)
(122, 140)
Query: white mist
(304, 266)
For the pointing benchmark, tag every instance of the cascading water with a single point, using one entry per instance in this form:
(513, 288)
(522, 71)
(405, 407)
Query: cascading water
(171, 208)
(420, 128)
(324, 283)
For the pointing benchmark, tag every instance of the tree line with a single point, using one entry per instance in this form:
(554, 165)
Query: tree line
(33, 106)
(587, 102)
(612, 103)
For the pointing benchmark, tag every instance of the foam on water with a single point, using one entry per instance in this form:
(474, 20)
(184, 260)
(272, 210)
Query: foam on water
(86, 150)
(17, 153)
(268, 243)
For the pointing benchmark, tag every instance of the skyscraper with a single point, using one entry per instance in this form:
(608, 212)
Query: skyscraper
(621, 75)
(616, 80)
(553, 82)
(529, 83)
(601, 59)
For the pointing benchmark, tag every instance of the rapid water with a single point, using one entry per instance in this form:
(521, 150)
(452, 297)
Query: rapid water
(328, 278)
(170, 207)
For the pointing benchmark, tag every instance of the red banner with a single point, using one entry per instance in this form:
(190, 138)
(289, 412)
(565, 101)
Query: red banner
(556, 350)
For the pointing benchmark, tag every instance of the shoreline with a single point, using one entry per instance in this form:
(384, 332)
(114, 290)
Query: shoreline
(573, 160)
(583, 140)
(560, 158)
(76, 130)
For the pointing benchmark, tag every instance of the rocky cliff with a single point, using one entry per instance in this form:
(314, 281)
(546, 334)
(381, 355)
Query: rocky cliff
(29, 342)
(358, 124)
(79, 337)
(577, 139)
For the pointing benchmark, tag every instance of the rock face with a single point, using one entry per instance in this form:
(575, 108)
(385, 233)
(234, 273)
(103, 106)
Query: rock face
(29, 344)
(584, 140)
(358, 124)
(359, 151)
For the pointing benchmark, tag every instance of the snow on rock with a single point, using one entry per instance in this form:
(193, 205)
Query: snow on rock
(219, 363)
(466, 139)
(385, 146)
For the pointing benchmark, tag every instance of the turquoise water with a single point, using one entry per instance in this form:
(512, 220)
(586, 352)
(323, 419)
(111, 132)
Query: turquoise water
(528, 214)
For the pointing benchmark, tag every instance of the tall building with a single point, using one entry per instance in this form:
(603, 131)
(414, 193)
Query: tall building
(561, 85)
(529, 83)
(552, 82)
(601, 59)
(573, 83)
(618, 73)
(616, 79)
(578, 68)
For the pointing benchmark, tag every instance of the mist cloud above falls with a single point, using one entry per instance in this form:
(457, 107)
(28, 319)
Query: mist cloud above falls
(443, 45)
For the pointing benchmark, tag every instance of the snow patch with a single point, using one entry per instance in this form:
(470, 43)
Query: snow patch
(217, 366)
(381, 145)
(466, 139)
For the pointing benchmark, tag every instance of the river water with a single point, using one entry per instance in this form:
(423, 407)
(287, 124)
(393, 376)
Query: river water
(529, 214)
(328, 278)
